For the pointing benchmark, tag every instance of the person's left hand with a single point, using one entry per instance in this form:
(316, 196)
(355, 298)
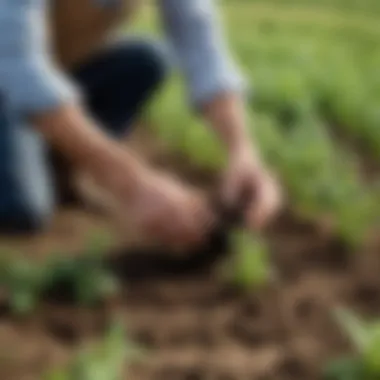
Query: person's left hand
(247, 177)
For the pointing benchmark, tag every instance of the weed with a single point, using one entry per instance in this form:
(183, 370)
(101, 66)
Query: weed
(105, 360)
(365, 337)
(84, 278)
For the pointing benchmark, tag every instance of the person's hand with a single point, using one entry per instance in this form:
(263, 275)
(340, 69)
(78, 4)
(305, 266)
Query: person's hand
(169, 212)
(246, 177)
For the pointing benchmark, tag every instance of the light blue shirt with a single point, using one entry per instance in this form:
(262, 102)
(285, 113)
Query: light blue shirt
(30, 82)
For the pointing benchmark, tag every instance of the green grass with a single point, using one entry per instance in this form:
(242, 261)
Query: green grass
(355, 6)
(313, 70)
(84, 278)
(365, 337)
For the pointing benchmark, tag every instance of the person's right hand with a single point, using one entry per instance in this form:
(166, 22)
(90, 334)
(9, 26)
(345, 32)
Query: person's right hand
(148, 204)
(169, 212)
(160, 206)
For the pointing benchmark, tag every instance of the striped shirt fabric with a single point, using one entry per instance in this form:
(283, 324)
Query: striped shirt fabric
(30, 82)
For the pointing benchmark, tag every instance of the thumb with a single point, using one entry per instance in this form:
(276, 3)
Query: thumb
(269, 202)
(239, 196)
(230, 189)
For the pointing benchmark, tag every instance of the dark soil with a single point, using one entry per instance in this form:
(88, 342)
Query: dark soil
(197, 327)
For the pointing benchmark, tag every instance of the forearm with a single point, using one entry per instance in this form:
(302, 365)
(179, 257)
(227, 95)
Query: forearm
(195, 31)
(33, 87)
(80, 140)
(226, 116)
(215, 83)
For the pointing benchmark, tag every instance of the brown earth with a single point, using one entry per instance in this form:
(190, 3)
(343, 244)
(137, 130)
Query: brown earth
(195, 326)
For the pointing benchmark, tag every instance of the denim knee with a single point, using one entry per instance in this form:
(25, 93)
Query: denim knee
(130, 63)
(155, 61)
(148, 58)
(21, 218)
(25, 210)
(120, 80)
(26, 193)
(142, 66)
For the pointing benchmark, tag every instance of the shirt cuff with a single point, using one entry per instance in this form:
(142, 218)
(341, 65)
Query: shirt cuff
(209, 83)
(34, 86)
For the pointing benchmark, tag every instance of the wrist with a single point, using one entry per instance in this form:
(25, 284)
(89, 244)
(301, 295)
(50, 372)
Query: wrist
(78, 137)
(120, 171)
(238, 141)
(240, 144)
(227, 116)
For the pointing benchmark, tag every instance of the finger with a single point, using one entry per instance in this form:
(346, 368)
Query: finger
(193, 221)
(229, 190)
(268, 205)
(168, 235)
(181, 231)
(241, 193)
(202, 221)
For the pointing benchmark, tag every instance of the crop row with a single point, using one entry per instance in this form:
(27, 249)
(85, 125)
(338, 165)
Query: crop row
(308, 83)
(357, 6)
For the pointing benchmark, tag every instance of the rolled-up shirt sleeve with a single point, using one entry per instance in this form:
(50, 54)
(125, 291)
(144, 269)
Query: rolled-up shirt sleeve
(195, 30)
(30, 82)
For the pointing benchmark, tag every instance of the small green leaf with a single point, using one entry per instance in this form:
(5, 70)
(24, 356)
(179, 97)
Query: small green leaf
(56, 375)
(347, 368)
(357, 330)
(372, 353)
(23, 302)
(251, 260)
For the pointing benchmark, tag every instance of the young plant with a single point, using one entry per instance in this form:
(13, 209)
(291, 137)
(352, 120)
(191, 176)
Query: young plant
(86, 277)
(23, 282)
(365, 337)
(249, 266)
(103, 361)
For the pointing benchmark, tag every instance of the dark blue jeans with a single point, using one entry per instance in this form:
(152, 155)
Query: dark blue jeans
(116, 84)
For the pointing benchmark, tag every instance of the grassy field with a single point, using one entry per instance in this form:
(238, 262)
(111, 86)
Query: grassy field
(313, 72)
(277, 307)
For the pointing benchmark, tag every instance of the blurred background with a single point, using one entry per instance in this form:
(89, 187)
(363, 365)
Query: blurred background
(291, 305)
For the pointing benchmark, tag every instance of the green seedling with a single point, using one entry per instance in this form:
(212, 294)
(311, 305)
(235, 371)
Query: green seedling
(346, 368)
(23, 281)
(27, 282)
(365, 336)
(103, 361)
(249, 266)
(320, 178)
(86, 275)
